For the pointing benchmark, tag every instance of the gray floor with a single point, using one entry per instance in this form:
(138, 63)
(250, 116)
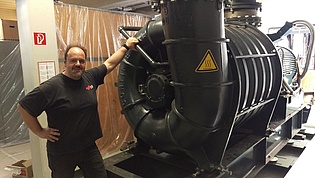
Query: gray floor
(12, 154)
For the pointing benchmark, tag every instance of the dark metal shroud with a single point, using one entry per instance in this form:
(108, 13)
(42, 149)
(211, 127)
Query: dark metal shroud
(176, 106)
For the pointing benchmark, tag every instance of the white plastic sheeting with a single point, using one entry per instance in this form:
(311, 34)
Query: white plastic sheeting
(98, 31)
(12, 128)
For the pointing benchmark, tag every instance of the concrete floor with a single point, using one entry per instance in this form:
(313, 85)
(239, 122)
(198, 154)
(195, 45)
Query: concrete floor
(12, 154)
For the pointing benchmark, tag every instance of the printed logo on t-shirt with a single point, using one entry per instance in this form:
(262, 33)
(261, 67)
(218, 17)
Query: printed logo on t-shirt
(89, 87)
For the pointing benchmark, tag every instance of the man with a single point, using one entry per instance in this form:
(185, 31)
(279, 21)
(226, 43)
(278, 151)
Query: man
(70, 102)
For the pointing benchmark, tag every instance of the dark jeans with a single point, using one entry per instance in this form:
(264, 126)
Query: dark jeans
(88, 160)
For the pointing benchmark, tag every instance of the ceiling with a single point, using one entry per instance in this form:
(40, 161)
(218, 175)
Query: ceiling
(139, 6)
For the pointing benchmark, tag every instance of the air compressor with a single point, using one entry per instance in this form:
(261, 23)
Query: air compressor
(206, 93)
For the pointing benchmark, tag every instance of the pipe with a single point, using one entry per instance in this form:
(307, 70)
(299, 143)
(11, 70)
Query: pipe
(187, 40)
(310, 46)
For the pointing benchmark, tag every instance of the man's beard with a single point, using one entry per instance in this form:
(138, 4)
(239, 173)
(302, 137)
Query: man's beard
(77, 72)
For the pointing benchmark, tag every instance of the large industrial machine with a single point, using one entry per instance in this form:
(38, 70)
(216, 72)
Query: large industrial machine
(207, 93)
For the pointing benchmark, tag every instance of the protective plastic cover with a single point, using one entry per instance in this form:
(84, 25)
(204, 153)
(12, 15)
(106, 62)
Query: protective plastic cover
(96, 30)
(12, 129)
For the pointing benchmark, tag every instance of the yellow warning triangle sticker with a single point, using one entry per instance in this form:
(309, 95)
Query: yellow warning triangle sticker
(207, 63)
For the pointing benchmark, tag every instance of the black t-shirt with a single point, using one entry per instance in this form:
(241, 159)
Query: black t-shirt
(71, 106)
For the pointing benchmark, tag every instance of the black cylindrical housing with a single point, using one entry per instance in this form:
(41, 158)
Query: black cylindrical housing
(196, 48)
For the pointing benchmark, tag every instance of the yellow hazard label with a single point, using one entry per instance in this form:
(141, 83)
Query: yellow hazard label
(207, 63)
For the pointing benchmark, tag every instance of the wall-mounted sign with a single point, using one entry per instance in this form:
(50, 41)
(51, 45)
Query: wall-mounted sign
(46, 70)
(39, 38)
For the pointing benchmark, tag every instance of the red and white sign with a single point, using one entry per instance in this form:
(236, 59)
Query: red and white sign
(39, 38)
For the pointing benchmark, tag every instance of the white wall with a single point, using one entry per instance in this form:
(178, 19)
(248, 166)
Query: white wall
(276, 12)
(37, 16)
